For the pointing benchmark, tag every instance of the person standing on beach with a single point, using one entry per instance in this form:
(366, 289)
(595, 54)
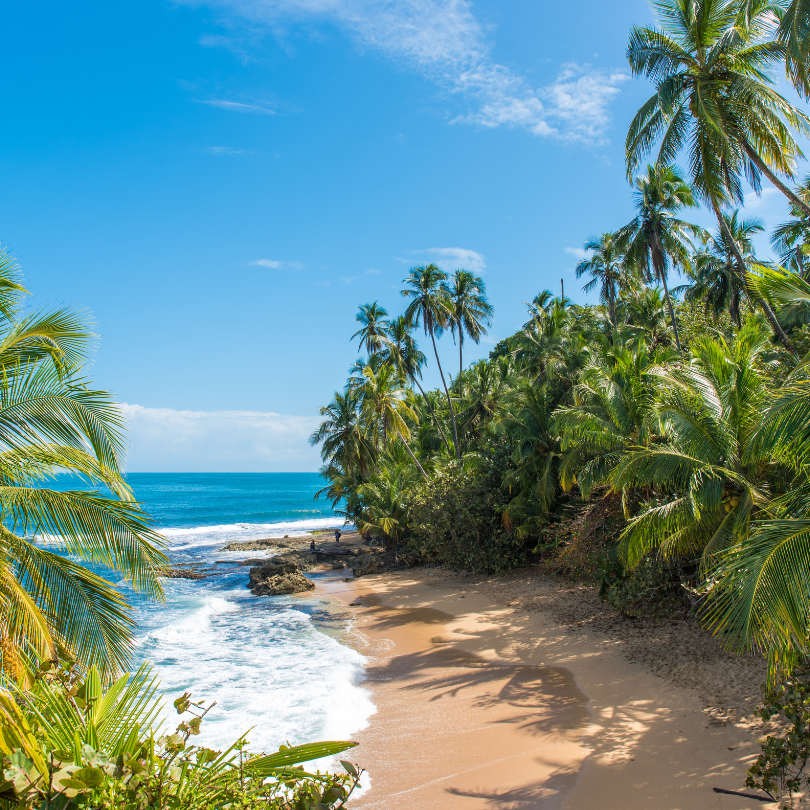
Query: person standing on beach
(337, 536)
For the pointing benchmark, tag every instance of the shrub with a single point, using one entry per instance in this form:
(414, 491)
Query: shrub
(780, 768)
(455, 518)
(67, 743)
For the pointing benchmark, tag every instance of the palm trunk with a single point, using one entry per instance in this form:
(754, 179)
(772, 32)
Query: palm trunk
(763, 304)
(446, 392)
(432, 413)
(415, 459)
(660, 271)
(460, 348)
(612, 304)
(761, 165)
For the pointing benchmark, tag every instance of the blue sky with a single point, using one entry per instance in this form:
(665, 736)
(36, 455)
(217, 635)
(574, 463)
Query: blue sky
(223, 183)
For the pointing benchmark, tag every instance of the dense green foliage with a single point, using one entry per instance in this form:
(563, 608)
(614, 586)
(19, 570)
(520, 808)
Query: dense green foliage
(654, 441)
(66, 742)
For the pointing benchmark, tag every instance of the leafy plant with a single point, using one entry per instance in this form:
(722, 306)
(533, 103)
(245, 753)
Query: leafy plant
(68, 743)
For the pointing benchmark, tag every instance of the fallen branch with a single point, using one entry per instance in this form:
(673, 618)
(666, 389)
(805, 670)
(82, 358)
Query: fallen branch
(746, 795)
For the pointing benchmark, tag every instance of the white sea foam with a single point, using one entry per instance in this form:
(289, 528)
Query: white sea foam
(214, 535)
(264, 663)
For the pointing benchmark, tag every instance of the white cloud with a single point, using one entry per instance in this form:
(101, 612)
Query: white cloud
(456, 258)
(579, 253)
(167, 440)
(275, 264)
(228, 150)
(443, 40)
(236, 106)
(373, 272)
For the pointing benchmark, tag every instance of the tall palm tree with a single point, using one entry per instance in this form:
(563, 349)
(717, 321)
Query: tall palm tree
(374, 327)
(656, 237)
(709, 61)
(430, 307)
(402, 352)
(471, 313)
(606, 268)
(52, 421)
(714, 276)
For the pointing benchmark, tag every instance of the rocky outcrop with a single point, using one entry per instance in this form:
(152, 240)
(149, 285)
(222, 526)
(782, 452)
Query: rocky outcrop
(188, 571)
(371, 561)
(278, 576)
(256, 545)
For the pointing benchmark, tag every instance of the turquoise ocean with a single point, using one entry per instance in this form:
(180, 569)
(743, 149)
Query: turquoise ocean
(279, 665)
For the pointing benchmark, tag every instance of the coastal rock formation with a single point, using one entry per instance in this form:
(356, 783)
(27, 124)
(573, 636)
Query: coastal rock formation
(277, 576)
(256, 545)
(371, 561)
(189, 571)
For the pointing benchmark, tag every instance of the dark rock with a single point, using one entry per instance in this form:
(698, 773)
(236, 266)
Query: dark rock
(188, 572)
(371, 561)
(282, 583)
(338, 564)
(256, 545)
(278, 575)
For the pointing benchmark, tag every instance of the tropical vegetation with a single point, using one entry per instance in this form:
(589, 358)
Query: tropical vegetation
(661, 434)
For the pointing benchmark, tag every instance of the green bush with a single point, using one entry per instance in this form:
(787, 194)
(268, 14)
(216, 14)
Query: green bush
(455, 517)
(653, 588)
(67, 743)
(780, 770)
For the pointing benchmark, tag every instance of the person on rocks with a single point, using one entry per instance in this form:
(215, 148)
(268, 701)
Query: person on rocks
(312, 546)
(338, 534)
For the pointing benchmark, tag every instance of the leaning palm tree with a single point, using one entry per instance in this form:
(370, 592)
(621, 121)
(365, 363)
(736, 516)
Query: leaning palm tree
(430, 307)
(471, 312)
(607, 269)
(374, 327)
(709, 60)
(402, 352)
(656, 237)
(52, 421)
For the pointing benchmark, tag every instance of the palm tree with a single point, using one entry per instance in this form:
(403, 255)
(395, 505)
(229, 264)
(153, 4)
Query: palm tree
(708, 473)
(612, 411)
(470, 310)
(385, 407)
(791, 239)
(647, 312)
(429, 305)
(656, 237)
(374, 327)
(606, 267)
(403, 354)
(714, 276)
(526, 419)
(384, 504)
(709, 62)
(52, 421)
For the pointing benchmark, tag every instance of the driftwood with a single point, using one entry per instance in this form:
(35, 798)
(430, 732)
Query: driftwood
(746, 795)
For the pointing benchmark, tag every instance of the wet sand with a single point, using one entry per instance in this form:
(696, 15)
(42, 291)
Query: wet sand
(490, 707)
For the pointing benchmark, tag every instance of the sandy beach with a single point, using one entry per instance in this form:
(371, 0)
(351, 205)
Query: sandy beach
(510, 694)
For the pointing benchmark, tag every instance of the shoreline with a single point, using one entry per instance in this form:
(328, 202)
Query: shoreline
(487, 703)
